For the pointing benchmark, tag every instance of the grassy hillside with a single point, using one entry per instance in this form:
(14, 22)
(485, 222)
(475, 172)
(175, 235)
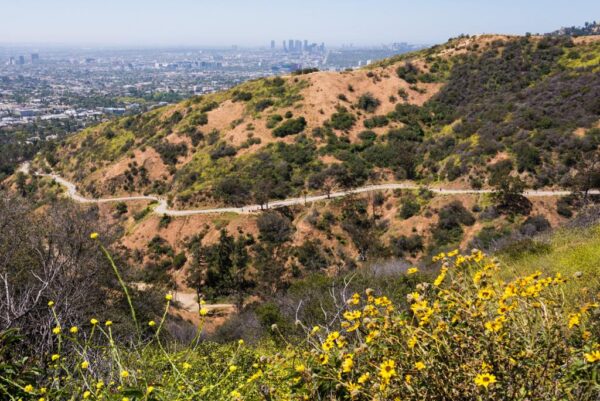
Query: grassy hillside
(468, 111)
(574, 253)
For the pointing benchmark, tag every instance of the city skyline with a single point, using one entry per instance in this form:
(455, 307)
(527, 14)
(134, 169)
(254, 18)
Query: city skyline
(202, 23)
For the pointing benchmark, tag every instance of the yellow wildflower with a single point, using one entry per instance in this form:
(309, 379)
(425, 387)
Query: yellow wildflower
(593, 356)
(323, 358)
(387, 369)
(50, 304)
(486, 293)
(55, 357)
(438, 281)
(86, 395)
(203, 311)
(347, 364)
(353, 388)
(94, 235)
(327, 345)
(371, 336)
(412, 270)
(574, 320)
(56, 330)
(124, 374)
(94, 321)
(85, 364)
(186, 366)
(363, 378)
(73, 330)
(485, 379)
(419, 365)
(28, 388)
(412, 342)
(151, 323)
(169, 297)
(353, 315)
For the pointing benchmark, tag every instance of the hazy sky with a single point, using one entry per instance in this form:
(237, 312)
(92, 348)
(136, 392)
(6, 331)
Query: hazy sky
(256, 22)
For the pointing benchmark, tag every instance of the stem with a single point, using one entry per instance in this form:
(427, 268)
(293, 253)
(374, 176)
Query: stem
(124, 286)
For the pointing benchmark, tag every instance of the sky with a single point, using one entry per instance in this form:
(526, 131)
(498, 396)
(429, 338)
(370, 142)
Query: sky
(256, 22)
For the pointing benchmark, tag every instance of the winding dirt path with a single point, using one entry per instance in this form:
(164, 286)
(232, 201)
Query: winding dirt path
(163, 209)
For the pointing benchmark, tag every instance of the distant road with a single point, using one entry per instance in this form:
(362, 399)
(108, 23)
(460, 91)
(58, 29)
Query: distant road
(163, 209)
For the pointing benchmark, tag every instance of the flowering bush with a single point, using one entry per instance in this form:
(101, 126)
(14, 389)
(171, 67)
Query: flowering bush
(467, 335)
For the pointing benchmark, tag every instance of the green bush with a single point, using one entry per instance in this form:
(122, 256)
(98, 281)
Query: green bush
(342, 119)
(290, 127)
(368, 102)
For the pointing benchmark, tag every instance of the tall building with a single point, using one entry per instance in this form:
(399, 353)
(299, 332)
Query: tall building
(285, 49)
(305, 45)
(21, 60)
(35, 58)
(291, 45)
(272, 45)
(298, 46)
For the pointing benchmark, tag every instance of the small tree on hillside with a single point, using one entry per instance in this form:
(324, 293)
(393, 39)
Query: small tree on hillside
(509, 198)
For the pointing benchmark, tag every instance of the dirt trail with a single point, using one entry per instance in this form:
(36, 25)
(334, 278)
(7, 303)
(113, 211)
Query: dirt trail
(163, 209)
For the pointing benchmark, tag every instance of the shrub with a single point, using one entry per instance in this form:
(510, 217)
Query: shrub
(121, 208)
(368, 102)
(273, 120)
(304, 71)
(408, 72)
(263, 105)
(342, 119)
(410, 207)
(241, 96)
(274, 227)
(199, 119)
(290, 127)
(179, 260)
(222, 150)
(209, 107)
(403, 244)
(170, 152)
(377, 121)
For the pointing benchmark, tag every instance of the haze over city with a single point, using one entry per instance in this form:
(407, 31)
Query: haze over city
(256, 23)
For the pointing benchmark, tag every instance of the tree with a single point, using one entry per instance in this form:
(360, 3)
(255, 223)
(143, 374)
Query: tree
(274, 228)
(587, 176)
(220, 269)
(508, 196)
(50, 257)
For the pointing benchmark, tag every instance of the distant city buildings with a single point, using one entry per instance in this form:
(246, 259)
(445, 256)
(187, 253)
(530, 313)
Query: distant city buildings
(78, 87)
(300, 46)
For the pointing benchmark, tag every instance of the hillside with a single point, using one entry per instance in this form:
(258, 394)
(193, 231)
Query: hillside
(455, 113)
(489, 111)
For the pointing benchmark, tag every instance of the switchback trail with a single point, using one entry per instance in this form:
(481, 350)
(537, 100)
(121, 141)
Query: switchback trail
(163, 209)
